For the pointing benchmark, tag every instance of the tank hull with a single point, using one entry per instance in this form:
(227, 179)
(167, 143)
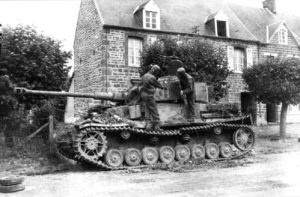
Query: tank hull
(121, 145)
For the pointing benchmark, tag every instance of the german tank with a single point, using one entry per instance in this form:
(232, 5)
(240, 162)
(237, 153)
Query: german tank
(114, 136)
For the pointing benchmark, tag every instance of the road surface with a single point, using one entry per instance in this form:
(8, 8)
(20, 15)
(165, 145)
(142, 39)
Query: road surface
(275, 175)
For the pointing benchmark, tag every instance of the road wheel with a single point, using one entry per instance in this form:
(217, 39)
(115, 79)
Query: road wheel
(197, 151)
(244, 138)
(167, 154)
(11, 188)
(182, 152)
(225, 150)
(8, 181)
(114, 158)
(150, 155)
(212, 150)
(133, 156)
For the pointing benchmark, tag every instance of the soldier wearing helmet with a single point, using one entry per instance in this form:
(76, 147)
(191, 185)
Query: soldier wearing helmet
(187, 92)
(149, 85)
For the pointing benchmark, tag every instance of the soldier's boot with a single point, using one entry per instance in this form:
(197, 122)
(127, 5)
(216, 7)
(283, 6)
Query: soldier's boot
(148, 126)
(156, 127)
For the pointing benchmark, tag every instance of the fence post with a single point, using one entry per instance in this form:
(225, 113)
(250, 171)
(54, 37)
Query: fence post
(51, 135)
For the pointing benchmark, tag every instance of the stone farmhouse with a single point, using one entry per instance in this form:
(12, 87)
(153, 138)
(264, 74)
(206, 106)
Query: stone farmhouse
(111, 33)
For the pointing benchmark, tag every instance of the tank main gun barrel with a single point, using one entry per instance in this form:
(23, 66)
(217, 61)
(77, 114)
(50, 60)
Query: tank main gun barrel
(117, 97)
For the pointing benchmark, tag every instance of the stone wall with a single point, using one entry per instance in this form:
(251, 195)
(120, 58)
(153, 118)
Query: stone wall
(280, 49)
(87, 55)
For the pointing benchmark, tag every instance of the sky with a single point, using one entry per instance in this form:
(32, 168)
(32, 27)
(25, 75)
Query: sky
(57, 18)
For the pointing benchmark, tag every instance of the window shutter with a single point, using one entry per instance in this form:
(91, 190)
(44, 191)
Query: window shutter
(249, 57)
(230, 56)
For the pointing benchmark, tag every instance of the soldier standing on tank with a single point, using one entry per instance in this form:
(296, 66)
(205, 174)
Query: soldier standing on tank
(149, 85)
(187, 91)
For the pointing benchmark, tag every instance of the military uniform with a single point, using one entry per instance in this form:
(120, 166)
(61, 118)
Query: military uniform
(187, 90)
(149, 85)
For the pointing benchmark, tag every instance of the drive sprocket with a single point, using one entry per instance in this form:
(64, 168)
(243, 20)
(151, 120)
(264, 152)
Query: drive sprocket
(91, 144)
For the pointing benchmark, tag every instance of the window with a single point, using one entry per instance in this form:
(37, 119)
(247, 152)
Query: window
(218, 22)
(221, 28)
(151, 20)
(151, 40)
(148, 15)
(270, 56)
(135, 47)
(239, 59)
(282, 36)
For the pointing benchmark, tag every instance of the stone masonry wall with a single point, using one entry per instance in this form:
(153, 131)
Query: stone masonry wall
(87, 54)
(117, 73)
(280, 49)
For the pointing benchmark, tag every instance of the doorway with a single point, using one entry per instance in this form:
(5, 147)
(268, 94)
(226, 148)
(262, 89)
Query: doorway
(248, 105)
(272, 113)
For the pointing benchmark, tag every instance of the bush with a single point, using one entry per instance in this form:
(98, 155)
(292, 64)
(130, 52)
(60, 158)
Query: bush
(202, 59)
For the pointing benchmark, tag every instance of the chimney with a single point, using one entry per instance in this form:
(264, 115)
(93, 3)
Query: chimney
(270, 4)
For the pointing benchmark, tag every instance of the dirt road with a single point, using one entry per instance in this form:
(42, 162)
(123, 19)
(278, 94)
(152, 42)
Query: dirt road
(274, 170)
(274, 175)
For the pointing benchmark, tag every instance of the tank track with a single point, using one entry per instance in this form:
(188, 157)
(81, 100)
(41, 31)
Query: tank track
(114, 128)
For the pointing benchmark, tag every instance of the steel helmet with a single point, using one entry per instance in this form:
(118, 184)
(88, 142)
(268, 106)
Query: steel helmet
(181, 70)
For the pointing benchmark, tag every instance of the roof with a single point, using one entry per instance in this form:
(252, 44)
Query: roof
(293, 22)
(245, 23)
(141, 6)
(257, 19)
(273, 28)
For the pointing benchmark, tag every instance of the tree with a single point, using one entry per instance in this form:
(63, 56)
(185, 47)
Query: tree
(202, 59)
(34, 61)
(275, 81)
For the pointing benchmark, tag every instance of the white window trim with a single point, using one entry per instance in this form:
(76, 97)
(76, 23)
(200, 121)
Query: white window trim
(135, 64)
(294, 56)
(270, 54)
(223, 18)
(283, 32)
(157, 18)
(239, 71)
(151, 40)
(216, 27)
(248, 58)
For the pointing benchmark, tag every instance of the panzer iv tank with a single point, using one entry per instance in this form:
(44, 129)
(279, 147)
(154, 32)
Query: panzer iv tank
(115, 137)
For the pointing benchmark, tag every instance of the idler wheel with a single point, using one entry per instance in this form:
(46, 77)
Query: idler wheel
(212, 150)
(150, 155)
(197, 151)
(133, 156)
(166, 154)
(182, 152)
(114, 158)
(244, 139)
(225, 150)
